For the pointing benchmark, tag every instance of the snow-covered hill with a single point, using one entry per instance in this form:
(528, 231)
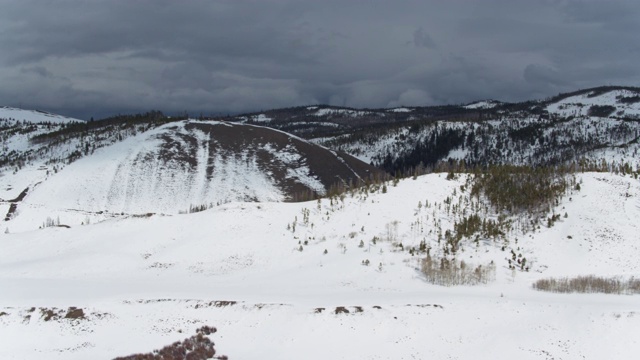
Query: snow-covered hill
(602, 123)
(588, 124)
(325, 280)
(9, 115)
(484, 104)
(619, 103)
(181, 166)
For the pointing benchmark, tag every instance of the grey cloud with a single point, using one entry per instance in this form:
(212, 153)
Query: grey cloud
(538, 74)
(611, 14)
(39, 70)
(412, 97)
(423, 39)
(87, 58)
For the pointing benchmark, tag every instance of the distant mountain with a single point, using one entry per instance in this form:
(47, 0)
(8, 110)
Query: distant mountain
(588, 124)
(153, 163)
(9, 115)
(485, 104)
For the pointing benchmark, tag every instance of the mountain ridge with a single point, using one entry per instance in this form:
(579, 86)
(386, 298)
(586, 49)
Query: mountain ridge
(350, 146)
(587, 124)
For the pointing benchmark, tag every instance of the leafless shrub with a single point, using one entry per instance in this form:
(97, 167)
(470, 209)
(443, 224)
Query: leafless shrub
(197, 347)
(589, 284)
(444, 272)
(341, 310)
(196, 208)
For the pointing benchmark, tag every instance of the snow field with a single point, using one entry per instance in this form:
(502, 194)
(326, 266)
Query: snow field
(156, 276)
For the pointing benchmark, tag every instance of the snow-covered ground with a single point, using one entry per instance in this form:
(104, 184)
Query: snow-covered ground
(400, 110)
(277, 280)
(485, 104)
(579, 105)
(260, 118)
(341, 112)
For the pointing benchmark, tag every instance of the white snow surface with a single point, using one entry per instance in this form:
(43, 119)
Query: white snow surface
(579, 105)
(400, 110)
(485, 104)
(146, 282)
(261, 118)
(329, 111)
(13, 115)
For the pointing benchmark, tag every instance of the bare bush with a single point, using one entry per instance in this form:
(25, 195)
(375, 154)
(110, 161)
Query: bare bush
(453, 272)
(589, 284)
(197, 347)
(196, 208)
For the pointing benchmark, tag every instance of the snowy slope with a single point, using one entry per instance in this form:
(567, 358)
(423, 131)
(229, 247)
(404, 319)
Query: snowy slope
(400, 110)
(520, 137)
(9, 115)
(586, 124)
(485, 104)
(146, 282)
(182, 165)
(579, 105)
(339, 112)
(132, 176)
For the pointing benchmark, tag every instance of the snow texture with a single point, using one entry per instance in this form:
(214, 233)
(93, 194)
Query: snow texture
(579, 105)
(146, 282)
(486, 104)
(13, 115)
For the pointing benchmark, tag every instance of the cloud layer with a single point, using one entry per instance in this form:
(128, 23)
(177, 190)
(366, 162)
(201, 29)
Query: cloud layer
(95, 58)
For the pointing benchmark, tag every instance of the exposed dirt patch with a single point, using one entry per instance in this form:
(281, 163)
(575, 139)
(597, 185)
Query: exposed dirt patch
(12, 210)
(223, 303)
(219, 303)
(180, 149)
(262, 306)
(57, 314)
(14, 204)
(74, 313)
(50, 314)
(341, 310)
(147, 215)
(70, 314)
(426, 305)
(159, 265)
(20, 197)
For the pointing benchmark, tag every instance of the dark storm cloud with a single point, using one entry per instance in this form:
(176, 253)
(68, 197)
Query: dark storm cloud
(92, 58)
(423, 39)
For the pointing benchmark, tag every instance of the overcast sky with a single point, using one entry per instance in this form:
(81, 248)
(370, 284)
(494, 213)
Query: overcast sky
(95, 58)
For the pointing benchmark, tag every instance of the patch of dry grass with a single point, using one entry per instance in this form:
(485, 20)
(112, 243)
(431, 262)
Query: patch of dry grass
(445, 272)
(589, 284)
